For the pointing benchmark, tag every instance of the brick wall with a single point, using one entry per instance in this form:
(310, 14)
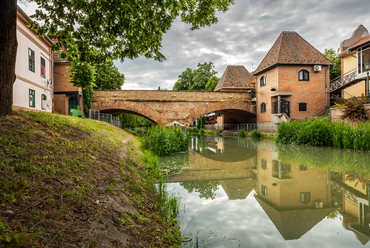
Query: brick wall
(337, 113)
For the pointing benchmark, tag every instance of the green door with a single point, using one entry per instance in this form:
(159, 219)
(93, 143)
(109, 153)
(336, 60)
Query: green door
(71, 104)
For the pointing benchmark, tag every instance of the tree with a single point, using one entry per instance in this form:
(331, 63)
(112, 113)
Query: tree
(116, 29)
(108, 77)
(333, 56)
(212, 82)
(195, 79)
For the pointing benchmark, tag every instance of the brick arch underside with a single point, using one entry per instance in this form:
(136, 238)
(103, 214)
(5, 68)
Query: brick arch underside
(167, 112)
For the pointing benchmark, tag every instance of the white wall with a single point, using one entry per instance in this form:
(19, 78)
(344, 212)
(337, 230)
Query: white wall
(26, 79)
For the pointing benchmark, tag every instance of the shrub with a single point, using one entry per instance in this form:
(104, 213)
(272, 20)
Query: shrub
(257, 134)
(355, 109)
(242, 134)
(165, 141)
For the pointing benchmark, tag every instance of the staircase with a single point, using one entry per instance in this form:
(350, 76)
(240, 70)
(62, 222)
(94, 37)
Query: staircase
(344, 81)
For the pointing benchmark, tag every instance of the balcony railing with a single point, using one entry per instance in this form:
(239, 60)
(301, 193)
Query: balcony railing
(344, 81)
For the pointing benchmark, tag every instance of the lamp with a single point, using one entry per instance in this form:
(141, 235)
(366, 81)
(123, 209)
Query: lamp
(367, 67)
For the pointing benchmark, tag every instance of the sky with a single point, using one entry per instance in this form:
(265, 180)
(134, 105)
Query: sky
(243, 36)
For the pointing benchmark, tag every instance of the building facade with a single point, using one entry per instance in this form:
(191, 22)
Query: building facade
(292, 81)
(33, 87)
(355, 52)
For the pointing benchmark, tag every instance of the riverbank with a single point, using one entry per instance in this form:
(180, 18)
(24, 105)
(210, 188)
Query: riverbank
(69, 182)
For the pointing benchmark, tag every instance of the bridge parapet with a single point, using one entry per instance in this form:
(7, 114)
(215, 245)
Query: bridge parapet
(169, 96)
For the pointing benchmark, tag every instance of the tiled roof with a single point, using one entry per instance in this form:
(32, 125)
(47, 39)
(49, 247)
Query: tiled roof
(235, 76)
(362, 41)
(291, 49)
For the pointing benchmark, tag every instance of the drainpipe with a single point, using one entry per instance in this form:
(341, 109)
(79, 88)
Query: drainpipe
(326, 88)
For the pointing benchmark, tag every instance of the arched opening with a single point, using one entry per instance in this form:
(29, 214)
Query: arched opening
(130, 119)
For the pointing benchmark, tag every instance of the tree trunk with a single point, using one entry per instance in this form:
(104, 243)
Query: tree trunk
(8, 53)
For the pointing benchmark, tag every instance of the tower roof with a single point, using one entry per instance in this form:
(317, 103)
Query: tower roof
(235, 76)
(291, 49)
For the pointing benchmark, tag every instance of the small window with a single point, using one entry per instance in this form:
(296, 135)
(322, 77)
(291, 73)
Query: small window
(305, 197)
(263, 190)
(303, 75)
(263, 164)
(31, 60)
(263, 81)
(43, 101)
(263, 107)
(42, 60)
(302, 106)
(32, 98)
(303, 167)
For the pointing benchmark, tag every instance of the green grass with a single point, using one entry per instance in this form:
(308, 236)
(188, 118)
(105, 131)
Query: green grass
(165, 141)
(323, 132)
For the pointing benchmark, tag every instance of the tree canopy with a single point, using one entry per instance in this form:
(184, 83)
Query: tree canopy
(333, 56)
(108, 77)
(96, 31)
(197, 79)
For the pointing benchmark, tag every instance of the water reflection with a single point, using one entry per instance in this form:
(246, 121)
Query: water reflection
(296, 196)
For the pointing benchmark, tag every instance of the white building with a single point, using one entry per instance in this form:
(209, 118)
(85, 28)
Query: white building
(32, 88)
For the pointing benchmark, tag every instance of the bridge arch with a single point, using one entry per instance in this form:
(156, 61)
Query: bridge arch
(164, 107)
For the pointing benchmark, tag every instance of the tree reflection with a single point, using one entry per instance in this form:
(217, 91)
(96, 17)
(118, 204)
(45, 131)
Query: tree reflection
(206, 189)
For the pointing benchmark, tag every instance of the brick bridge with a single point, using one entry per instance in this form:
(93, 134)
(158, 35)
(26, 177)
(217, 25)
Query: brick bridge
(164, 107)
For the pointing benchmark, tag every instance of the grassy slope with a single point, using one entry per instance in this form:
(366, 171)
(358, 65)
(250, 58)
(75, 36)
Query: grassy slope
(67, 182)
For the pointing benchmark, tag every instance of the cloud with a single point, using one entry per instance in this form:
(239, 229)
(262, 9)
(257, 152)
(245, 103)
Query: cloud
(243, 35)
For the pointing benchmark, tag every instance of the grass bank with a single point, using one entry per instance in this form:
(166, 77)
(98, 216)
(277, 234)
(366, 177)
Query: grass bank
(66, 182)
(323, 132)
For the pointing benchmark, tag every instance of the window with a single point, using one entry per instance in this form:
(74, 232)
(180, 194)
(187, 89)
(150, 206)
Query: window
(43, 101)
(31, 60)
(302, 106)
(42, 60)
(262, 81)
(263, 164)
(32, 98)
(303, 167)
(264, 190)
(305, 197)
(263, 107)
(363, 56)
(303, 75)
(281, 167)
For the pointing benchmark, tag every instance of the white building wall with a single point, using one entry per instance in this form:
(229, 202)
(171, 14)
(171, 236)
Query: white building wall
(26, 79)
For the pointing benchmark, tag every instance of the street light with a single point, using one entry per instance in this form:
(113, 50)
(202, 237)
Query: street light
(367, 67)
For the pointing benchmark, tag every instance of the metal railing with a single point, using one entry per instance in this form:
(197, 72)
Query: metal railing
(248, 127)
(343, 80)
(109, 118)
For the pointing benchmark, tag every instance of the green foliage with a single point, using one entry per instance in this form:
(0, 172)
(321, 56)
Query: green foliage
(165, 141)
(322, 132)
(211, 84)
(257, 134)
(201, 122)
(242, 133)
(108, 77)
(206, 189)
(333, 56)
(196, 79)
(131, 120)
(355, 109)
(120, 29)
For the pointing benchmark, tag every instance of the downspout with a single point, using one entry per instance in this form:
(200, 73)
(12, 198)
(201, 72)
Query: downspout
(326, 88)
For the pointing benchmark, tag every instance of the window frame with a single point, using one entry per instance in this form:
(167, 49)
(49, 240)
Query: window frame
(302, 106)
(305, 197)
(263, 190)
(43, 101)
(263, 164)
(32, 96)
(42, 67)
(262, 81)
(303, 71)
(31, 60)
(263, 107)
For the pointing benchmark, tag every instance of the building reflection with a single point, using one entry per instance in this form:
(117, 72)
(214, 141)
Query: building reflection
(354, 191)
(295, 197)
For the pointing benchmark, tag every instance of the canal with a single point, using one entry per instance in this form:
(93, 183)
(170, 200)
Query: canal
(247, 193)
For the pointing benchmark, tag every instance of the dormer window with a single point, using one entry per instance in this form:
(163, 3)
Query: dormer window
(303, 75)
(262, 81)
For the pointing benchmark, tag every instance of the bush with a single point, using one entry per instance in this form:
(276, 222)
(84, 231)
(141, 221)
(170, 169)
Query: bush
(165, 141)
(355, 109)
(242, 134)
(257, 134)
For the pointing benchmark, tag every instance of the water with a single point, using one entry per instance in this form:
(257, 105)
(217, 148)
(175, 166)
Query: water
(245, 193)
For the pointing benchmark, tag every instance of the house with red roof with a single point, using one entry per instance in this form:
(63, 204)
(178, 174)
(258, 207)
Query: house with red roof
(292, 81)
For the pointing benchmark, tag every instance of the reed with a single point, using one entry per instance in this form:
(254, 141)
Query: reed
(323, 132)
(165, 141)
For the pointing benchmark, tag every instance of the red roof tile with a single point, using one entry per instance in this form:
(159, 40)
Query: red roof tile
(235, 76)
